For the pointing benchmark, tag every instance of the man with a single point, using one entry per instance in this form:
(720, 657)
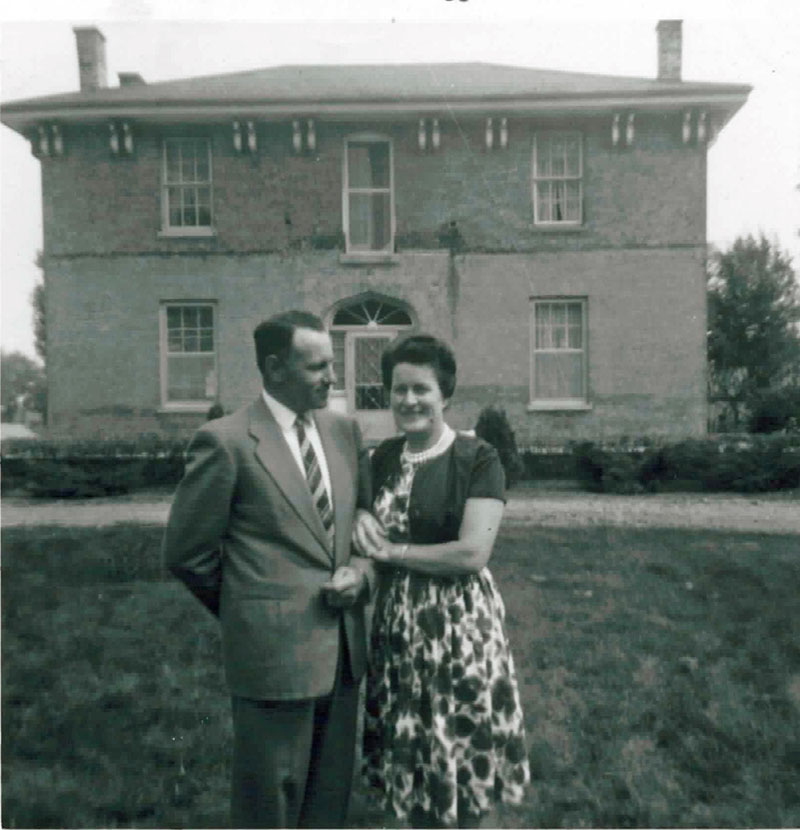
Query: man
(260, 532)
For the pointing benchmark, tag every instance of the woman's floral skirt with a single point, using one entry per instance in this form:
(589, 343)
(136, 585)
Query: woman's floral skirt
(443, 733)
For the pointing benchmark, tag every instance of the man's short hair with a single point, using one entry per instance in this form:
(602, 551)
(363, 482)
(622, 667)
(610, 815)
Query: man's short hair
(422, 350)
(274, 335)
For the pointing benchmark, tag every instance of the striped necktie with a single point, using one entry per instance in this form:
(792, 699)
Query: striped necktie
(316, 484)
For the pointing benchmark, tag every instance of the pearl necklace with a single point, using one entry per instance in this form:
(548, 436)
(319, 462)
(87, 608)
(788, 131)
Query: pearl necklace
(445, 439)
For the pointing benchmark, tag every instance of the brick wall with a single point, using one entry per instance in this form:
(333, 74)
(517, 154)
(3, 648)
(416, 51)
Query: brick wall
(652, 194)
(637, 259)
(646, 325)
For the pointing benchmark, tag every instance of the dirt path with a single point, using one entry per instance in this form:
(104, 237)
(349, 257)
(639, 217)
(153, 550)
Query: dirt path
(773, 513)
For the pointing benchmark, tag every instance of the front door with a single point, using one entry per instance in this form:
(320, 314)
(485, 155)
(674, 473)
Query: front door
(366, 396)
(361, 330)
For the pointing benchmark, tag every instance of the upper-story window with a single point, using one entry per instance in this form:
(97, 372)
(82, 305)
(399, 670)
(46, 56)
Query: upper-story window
(186, 187)
(368, 197)
(557, 179)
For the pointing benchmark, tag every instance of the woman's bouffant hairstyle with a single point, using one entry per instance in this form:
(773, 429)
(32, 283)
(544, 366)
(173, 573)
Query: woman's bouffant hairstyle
(422, 350)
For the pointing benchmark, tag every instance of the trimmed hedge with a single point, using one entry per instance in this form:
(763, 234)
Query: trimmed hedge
(88, 468)
(736, 463)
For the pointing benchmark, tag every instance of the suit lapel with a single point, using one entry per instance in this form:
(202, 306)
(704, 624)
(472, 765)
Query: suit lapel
(276, 458)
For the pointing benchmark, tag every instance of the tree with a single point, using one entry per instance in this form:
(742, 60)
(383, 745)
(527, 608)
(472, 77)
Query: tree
(23, 387)
(753, 339)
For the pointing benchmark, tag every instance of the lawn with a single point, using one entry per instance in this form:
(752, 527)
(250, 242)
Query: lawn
(659, 670)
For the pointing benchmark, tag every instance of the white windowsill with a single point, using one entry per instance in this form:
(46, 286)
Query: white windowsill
(369, 258)
(185, 408)
(559, 406)
(557, 227)
(186, 233)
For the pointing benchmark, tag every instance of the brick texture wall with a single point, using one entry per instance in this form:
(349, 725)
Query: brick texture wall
(637, 259)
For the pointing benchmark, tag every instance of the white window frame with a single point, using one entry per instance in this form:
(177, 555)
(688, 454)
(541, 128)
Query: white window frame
(185, 230)
(188, 405)
(373, 138)
(541, 181)
(577, 403)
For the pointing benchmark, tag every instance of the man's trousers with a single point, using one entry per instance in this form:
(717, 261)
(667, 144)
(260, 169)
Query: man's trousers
(293, 759)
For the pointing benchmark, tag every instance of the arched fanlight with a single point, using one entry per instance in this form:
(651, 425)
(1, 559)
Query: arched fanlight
(372, 312)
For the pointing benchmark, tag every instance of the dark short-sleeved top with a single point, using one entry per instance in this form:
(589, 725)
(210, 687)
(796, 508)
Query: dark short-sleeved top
(469, 468)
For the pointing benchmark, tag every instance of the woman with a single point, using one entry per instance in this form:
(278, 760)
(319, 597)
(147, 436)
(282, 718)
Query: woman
(443, 733)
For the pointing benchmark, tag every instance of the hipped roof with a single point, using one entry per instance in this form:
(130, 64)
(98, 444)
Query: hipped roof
(357, 89)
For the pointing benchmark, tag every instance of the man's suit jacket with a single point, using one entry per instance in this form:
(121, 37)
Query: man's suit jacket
(244, 536)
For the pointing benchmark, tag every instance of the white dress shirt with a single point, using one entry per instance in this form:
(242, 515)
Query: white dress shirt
(286, 419)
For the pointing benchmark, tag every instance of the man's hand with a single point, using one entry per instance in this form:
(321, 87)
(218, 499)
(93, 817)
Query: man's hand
(369, 537)
(344, 588)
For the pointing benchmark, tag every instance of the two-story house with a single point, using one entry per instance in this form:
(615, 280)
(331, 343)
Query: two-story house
(549, 224)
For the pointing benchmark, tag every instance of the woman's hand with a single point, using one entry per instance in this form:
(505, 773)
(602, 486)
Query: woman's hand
(369, 537)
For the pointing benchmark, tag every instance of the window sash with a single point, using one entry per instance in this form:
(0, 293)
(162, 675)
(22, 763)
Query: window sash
(368, 194)
(558, 351)
(189, 372)
(187, 183)
(558, 178)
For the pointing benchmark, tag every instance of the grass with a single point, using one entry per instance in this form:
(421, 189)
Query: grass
(659, 670)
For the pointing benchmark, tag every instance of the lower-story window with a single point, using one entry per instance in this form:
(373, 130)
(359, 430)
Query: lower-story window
(188, 354)
(558, 352)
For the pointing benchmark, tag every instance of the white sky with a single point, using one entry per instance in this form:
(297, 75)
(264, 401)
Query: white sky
(754, 165)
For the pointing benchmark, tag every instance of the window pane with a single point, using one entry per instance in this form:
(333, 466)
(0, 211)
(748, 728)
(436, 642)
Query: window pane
(205, 316)
(349, 316)
(360, 220)
(381, 218)
(174, 205)
(557, 154)
(543, 167)
(558, 376)
(573, 155)
(358, 170)
(369, 390)
(368, 164)
(543, 201)
(191, 378)
(379, 164)
(202, 169)
(187, 167)
(337, 337)
(173, 161)
(370, 221)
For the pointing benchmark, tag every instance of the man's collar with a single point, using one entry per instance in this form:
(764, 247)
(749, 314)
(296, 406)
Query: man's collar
(282, 413)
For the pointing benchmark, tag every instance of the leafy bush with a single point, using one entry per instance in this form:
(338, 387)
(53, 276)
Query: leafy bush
(83, 469)
(494, 428)
(746, 463)
(776, 411)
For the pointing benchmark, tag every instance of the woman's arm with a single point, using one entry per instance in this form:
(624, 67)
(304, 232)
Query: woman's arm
(467, 554)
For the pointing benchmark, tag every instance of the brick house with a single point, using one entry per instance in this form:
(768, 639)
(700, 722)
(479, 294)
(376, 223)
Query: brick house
(550, 225)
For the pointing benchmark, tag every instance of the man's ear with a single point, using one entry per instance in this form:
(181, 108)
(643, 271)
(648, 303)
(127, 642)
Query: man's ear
(274, 369)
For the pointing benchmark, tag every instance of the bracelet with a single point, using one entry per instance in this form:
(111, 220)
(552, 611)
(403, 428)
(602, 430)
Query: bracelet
(403, 552)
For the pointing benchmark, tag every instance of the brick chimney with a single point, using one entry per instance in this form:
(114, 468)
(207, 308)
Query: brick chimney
(670, 44)
(91, 57)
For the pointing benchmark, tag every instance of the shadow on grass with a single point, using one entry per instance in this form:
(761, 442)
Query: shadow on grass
(659, 669)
